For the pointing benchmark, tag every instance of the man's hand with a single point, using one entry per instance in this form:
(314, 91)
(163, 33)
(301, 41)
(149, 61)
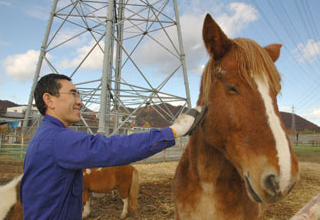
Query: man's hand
(187, 122)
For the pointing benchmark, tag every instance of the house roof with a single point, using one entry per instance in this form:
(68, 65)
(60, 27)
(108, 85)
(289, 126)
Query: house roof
(12, 115)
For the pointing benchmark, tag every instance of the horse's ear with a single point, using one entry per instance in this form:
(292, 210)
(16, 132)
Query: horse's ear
(274, 51)
(216, 42)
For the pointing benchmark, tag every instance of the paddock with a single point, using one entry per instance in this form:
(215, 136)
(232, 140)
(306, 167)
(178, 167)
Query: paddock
(155, 201)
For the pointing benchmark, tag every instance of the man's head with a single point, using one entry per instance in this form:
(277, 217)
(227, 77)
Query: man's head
(55, 95)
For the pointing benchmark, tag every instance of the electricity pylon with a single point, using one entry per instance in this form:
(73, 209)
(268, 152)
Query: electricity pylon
(129, 54)
(293, 121)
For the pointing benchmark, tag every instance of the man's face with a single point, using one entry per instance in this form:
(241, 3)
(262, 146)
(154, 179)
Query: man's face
(67, 104)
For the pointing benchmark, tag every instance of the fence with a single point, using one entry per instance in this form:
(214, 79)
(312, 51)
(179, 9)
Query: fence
(305, 139)
(15, 146)
(170, 154)
(311, 211)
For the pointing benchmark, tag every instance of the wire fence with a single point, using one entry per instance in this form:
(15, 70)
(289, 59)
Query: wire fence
(14, 145)
(305, 139)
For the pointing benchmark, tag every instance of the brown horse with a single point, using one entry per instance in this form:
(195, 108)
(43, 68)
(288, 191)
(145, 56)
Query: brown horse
(100, 180)
(240, 156)
(10, 206)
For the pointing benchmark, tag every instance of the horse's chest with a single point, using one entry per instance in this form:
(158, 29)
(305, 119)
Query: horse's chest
(202, 205)
(206, 206)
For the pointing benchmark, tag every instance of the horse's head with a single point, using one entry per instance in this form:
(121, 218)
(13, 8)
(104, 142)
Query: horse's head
(240, 84)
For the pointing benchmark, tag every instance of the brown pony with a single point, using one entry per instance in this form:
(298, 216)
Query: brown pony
(10, 206)
(240, 156)
(101, 180)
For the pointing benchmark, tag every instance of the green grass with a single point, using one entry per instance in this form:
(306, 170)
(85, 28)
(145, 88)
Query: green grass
(307, 153)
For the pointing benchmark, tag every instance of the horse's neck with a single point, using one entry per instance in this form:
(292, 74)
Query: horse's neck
(212, 168)
(217, 175)
(207, 162)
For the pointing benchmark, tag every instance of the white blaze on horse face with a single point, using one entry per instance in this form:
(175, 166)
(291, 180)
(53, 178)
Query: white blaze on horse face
(282, 144)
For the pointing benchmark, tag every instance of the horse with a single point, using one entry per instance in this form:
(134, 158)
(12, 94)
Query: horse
(101, 180)
(240, 156)
(10, 206)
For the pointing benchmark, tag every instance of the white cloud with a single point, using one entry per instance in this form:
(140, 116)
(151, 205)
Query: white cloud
(309, 51)
(4, 43)
(38, 11)
(238, 17)
(312, 115)
(5, 3)
(168, 99)
(93, 61)
(94, 107)
(69, 34)
(21, 67)
(150, 53)
(285, 109)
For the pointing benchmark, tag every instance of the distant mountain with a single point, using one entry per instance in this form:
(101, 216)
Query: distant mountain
(155, 115)
(7, 104)
(150, 115)
(301, 123)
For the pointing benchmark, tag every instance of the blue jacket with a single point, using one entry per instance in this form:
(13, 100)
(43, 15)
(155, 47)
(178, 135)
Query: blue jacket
(51, 187)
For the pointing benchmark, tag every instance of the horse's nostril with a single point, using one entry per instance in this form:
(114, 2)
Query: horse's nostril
(271, 184)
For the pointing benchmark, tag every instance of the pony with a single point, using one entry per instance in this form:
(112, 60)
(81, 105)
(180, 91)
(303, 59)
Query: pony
(100, 180)
(10, 206)
(240, 156)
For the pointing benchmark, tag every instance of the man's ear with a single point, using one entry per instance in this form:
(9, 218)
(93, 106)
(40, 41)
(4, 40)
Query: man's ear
(47, 98)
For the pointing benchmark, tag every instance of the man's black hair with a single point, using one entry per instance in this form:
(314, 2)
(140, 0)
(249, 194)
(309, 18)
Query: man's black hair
(47, 84)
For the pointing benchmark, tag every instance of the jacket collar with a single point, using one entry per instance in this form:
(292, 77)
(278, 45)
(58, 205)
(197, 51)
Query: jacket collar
(53, 120)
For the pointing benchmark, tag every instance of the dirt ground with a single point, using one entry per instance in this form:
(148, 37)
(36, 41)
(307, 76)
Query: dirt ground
(155, 201)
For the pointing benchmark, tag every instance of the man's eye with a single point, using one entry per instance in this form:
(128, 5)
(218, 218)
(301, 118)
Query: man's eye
(74, 94)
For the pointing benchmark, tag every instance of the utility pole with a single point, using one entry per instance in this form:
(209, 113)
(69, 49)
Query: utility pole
(293, 121)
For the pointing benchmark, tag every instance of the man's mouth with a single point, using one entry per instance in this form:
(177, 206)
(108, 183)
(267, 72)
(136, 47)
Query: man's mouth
(77, 109)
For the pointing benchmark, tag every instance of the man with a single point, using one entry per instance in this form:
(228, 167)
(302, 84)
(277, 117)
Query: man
(51, 187)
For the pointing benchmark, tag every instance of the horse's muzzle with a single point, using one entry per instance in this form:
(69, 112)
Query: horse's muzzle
(271, 190)
(252, 192)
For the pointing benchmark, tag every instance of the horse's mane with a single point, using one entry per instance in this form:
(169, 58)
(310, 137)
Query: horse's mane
(253, 61)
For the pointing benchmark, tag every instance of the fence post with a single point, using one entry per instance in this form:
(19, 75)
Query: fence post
(311, 211)
(22, 144)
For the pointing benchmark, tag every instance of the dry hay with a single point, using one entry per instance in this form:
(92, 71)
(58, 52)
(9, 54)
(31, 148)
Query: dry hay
(155, 201)
(156, 172)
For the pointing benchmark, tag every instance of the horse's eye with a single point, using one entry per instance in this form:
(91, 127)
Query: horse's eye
(232, 89)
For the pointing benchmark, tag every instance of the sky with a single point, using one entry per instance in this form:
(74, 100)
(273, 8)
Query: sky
(292, 23)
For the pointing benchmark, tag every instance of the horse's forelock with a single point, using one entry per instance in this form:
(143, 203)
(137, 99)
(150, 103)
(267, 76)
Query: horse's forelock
(254, 61)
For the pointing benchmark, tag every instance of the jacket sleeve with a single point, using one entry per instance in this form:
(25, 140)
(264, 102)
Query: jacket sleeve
(78, 150)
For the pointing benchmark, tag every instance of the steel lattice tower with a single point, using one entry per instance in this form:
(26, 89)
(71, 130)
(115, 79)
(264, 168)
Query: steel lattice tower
(293, 121)
(114, 38)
